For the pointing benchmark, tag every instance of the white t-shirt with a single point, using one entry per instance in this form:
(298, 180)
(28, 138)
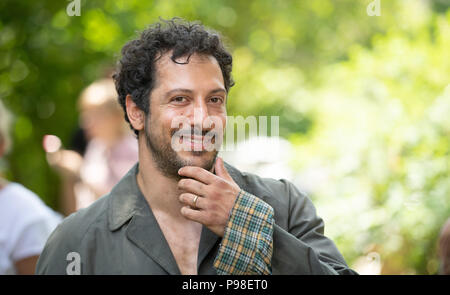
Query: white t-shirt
(25, 224)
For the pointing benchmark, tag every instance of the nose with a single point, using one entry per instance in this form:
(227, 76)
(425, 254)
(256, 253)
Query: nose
(200, 113)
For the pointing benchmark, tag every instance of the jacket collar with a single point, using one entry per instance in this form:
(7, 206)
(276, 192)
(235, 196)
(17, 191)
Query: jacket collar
(124, 200)
(128, 204)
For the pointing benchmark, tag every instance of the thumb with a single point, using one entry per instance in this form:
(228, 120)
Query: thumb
(220, 169)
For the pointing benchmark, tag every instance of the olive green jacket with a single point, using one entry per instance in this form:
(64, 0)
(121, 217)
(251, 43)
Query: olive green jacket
(118, 234)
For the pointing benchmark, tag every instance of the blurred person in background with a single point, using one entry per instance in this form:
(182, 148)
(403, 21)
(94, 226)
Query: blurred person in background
(444, 248)
(25, 221)
(110, 152)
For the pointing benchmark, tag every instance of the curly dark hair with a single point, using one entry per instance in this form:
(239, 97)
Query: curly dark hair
(135, 74)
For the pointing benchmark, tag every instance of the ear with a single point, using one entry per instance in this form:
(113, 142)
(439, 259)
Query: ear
(135, 114)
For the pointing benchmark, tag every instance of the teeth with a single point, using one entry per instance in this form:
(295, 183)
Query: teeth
(194, 140)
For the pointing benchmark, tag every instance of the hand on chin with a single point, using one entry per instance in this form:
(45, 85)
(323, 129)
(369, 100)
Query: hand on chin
(203, 159)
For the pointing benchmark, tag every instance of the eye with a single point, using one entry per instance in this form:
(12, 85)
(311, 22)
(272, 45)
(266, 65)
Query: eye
(179, 99)
(216, 99)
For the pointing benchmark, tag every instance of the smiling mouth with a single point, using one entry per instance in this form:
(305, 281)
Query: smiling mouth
(195, 139)
(196, 142)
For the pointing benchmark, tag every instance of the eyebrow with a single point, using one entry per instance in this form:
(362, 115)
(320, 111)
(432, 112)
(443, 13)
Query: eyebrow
(217, 90)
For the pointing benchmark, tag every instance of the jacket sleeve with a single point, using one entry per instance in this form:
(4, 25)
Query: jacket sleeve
(302, 248)
(52, 259)
(62, 253)
(247, 243)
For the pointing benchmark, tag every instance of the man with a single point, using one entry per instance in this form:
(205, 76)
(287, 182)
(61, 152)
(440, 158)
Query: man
(181, 209)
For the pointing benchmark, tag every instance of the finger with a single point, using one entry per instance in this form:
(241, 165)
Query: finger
(194, 215)
(197, 173)
(192, 186)
(188, 199)
(220, 169)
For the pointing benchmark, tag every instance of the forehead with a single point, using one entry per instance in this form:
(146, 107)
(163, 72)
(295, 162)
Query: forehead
(199, 71)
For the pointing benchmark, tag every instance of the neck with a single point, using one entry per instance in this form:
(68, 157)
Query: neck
(160, 191)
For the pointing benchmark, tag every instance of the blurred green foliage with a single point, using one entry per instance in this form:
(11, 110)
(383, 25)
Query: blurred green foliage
(364, 99)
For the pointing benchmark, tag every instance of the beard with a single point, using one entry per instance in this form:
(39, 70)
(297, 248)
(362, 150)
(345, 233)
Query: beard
(168, 161)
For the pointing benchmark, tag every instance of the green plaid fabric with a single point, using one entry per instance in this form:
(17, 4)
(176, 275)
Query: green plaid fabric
(247, 244)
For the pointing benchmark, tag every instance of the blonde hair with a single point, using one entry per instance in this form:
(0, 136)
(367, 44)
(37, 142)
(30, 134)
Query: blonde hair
(6, 118)
(100, 93)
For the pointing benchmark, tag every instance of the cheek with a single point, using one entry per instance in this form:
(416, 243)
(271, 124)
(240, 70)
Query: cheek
(223, 120)
(167, 120)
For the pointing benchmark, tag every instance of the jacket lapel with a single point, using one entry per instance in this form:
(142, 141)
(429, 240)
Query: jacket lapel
(236, 175)
(144, 231)
(127, 202)
(208, 240)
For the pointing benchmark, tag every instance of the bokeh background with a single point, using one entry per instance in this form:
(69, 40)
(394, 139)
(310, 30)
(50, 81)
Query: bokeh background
(364, 104)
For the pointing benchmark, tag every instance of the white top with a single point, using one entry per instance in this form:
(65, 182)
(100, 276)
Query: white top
(25, 224)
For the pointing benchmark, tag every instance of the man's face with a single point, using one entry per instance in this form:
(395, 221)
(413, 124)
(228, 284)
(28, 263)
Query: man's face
(186, 99)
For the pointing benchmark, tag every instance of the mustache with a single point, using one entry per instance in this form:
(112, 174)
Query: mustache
(195, 132)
